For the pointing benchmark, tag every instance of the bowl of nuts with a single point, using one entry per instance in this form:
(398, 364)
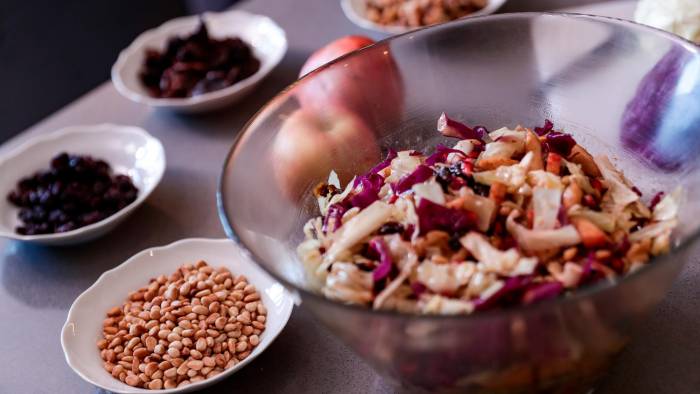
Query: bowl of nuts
(175, 318)
(401, 16)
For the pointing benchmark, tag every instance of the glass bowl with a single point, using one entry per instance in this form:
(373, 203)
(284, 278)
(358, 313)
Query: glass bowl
(621, 89)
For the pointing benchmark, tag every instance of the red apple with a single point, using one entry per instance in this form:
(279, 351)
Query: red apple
(334, 50)
(311, 143)
(369, 85)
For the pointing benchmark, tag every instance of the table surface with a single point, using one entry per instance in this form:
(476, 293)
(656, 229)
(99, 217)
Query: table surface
(38, 284)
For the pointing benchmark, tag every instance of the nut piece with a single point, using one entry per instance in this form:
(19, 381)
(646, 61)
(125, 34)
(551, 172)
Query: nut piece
(158, 338)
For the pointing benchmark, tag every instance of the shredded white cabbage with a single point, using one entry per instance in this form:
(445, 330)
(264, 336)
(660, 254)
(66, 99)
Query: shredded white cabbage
(512, 176)
(667, 208)
(403, 165)
(445, 278)
(430, 191)
(540, 240)
(357, 228)
(545, 203)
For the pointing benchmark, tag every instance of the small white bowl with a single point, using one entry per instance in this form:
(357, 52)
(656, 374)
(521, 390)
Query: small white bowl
(265, 37)
(128, 150)
(355, 11)
(83, 327)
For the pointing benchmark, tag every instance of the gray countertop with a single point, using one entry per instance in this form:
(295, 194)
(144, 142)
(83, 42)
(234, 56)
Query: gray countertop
(38, 284)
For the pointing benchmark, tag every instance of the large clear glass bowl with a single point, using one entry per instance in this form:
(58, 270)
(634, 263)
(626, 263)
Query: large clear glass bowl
(622, 89)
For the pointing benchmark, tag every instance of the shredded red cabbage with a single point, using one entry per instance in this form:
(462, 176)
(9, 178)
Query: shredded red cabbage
(384, 164)
(589, 274)
(336, 212)
(560, 143)
(656, 199)
(562, 217)
(636, 190)
(452, 128)
(421, 174)
(441, 153)
(371, 185)
(383, 270)
(541, 292)
(548, 126)
(512, 288)
(432, 216)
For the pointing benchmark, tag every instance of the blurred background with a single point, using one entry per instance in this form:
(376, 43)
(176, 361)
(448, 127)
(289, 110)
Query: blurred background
(52, 52)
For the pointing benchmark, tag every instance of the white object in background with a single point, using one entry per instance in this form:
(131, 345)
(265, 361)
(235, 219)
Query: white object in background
(83, 326)
(355, 10)
(681, 17)
(128, 150)
(266, 38)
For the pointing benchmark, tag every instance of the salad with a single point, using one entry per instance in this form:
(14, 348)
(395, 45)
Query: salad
(503, 218)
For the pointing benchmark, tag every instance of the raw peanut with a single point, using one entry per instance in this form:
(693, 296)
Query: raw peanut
(155, 384)
(132, 380)
(251, 297)
(195, 364)
(201, 344)
(254, 340)
(209, 361)
(242, 356)
(200, 310)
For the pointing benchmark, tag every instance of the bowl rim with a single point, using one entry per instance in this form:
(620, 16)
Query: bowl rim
(139, 43)
(286, 314)
(22, 148)
(577, 296)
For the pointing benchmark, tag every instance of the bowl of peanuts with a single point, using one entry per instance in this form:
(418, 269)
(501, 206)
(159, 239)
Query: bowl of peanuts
(175, 318)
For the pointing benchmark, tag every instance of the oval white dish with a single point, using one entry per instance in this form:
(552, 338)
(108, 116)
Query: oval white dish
(129, 150)
(355, 11)
(83, 325)
(267, 39)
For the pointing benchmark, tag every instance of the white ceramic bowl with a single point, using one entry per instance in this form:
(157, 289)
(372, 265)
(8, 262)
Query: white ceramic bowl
(83, 326)
(128, 150)
(355, 11)
(266, 38)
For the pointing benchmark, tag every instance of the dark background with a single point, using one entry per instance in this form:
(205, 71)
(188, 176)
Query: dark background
(52, 52)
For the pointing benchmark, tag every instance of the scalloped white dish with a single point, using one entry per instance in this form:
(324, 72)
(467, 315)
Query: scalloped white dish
(129, 150)
(83, 326)
(355, 11)
(267, 39)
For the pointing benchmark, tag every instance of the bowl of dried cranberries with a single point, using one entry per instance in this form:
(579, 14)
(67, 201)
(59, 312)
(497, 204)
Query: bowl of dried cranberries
(77, 183)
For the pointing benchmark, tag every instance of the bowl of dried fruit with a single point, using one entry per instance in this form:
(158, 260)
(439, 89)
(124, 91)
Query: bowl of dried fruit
(199, 63)
(175, 318)
(77, 183)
